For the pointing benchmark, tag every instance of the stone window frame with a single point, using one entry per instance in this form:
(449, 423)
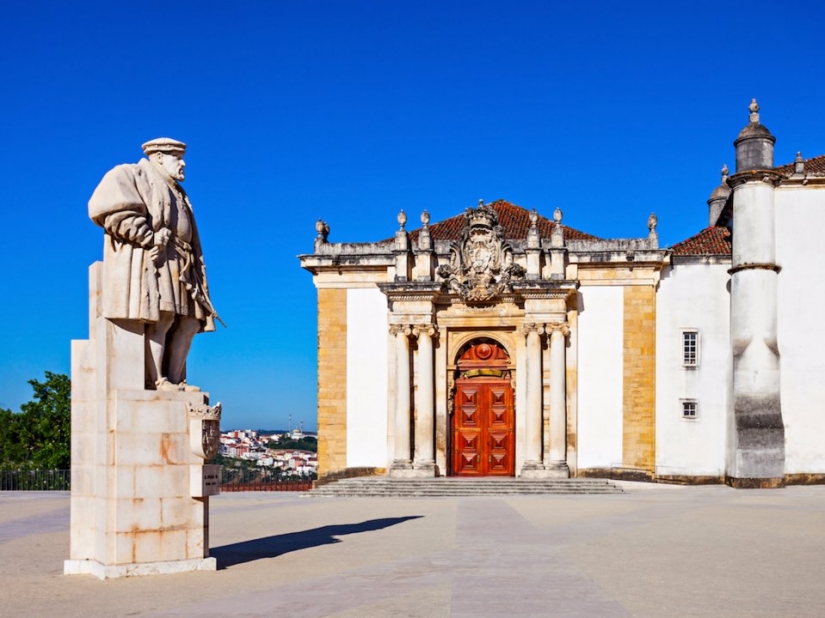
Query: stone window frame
(690, 357)
(689, 409)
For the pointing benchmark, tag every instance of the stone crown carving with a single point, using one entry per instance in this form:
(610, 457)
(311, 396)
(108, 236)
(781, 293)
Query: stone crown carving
(481, 261)
(204, 412)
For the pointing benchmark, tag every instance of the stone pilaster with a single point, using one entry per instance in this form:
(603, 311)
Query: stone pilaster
(558, 400)
(402, 462)
(533, 424)
(639, 379)
(425, 418)
(332, 380)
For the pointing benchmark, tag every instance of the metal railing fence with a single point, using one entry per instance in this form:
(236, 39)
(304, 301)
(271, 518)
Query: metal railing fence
(232, 479)
(35, 480)
(247, 479)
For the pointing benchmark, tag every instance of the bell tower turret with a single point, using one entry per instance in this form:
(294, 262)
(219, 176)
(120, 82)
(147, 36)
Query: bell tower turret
(756, 432)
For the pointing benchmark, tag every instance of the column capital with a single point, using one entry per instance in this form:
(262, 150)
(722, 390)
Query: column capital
(398, 329)
(558, 326)
(532, 327)
(425, 329)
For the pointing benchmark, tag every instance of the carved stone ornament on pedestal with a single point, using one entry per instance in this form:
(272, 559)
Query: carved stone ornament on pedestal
(481, 262)
(205, 429)
(205, 442)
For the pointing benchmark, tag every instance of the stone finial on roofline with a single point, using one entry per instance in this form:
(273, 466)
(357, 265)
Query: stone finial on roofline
(653, 235)
(725, 173)
(533, 237)
(402, 242)
(557, 235)
(424, 241)
(799, 165)
(323, 230)
(754, 109)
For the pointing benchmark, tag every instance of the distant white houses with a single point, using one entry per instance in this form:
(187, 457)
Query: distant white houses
(251, 446)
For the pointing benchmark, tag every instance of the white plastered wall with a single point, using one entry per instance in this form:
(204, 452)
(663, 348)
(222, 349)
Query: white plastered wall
(600, 338)
(692, 297)
(800, 219)
(367, 379)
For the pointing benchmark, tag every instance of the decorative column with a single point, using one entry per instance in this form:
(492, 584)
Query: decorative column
(558, 401)
(533, 423)
(401, 461)
(425, 419)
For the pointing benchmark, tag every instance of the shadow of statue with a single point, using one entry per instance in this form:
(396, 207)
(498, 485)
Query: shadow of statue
(279, 544)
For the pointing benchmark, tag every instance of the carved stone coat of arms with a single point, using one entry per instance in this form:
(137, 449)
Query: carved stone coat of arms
(481, 262)
(205, 430)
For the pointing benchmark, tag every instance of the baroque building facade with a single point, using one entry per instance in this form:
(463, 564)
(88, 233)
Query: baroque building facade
(502, 343)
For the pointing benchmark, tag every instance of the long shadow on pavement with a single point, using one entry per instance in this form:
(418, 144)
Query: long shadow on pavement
(279, 544)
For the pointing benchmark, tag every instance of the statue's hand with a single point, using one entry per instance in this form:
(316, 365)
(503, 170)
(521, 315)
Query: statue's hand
(154, 255)
(162, 237)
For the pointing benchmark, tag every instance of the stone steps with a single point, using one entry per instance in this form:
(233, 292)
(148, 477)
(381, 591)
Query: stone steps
(383, 487)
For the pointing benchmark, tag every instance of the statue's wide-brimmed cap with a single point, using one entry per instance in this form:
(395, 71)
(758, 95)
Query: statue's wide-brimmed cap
(164, 144)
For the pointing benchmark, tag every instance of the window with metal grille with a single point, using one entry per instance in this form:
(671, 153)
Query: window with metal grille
(690, 348)
(689, 409)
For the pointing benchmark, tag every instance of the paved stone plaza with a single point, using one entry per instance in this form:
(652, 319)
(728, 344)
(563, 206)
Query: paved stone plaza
(654, 551)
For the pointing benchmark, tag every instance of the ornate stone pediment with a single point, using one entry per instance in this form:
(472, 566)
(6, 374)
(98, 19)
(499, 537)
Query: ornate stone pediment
(481, 262)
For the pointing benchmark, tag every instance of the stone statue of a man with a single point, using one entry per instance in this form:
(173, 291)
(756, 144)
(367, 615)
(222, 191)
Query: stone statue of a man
(153, 265)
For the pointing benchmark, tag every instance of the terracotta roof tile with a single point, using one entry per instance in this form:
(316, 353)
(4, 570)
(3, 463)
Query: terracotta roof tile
(710, 241)
(514, 220)
(813, 166)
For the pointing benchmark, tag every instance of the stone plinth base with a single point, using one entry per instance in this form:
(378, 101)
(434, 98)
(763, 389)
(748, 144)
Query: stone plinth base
(542, 471)
(405, 470)
(766, 483)
(426, 468)
(102, 571)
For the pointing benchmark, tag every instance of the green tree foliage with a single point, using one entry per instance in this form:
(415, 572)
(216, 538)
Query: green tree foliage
(39, 436)
(307, 443)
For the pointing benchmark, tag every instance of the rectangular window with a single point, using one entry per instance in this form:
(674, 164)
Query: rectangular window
(689, 408)
(690, 348)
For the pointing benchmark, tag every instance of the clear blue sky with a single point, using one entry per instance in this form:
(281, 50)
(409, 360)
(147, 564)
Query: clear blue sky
(350, 111)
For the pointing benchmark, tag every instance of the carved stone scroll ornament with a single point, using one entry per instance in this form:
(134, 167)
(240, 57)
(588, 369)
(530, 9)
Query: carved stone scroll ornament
(428, 329)
(532, 327)
(397, 329)
(481, 262)
(560, 326)
(205, 429)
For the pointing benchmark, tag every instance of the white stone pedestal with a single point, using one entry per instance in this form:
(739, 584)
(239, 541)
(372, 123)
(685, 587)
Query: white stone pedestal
(135, 509)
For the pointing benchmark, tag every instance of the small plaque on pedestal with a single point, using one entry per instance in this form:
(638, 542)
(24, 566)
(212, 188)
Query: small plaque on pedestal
(204, 480)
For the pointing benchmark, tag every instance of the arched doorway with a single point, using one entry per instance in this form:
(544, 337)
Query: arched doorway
(483, 420)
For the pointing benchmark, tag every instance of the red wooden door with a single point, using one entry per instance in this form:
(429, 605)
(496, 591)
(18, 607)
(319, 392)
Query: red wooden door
(483, 437)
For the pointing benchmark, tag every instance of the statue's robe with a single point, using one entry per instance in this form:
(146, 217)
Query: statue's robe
(132, 203)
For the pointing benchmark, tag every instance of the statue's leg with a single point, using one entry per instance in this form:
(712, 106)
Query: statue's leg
(179, 344)
(156, 346)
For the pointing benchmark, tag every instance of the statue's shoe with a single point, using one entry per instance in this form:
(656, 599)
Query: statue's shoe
(189, 388)
(165, 385)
